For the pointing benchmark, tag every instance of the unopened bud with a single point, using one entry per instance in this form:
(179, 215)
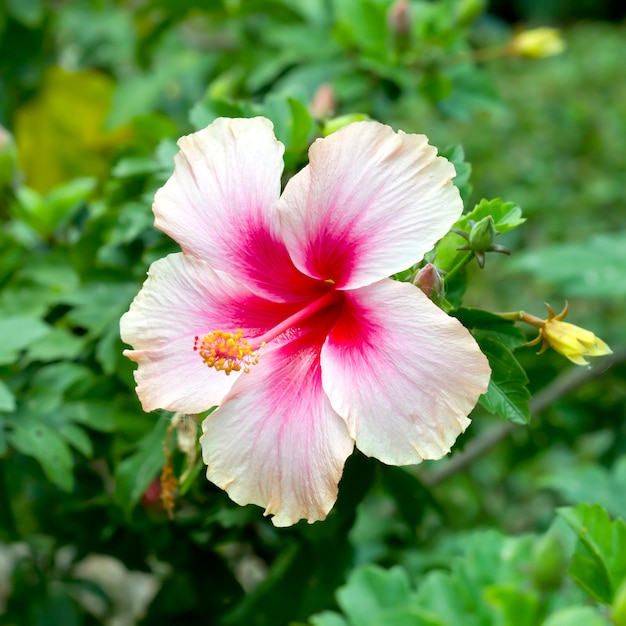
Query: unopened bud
(537, 43)
(399, 18)
(429, 280)
(324, 103)
(482, 234)
(548, 562)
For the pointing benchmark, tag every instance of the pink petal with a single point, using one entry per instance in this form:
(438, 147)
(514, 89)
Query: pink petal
(184, 298)
(370, 203)
(220, 204)
(276, 441)
(402, 373)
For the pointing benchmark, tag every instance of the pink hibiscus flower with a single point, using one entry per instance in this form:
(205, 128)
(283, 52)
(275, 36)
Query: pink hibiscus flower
(280, 311)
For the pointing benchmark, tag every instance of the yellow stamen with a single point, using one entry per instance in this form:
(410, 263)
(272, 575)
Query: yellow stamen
(226, 352)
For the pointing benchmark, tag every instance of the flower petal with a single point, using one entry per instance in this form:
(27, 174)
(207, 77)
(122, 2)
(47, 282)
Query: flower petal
(402, 373)
(370, 203)
(276, 441)
(220, 204)
(184, 298)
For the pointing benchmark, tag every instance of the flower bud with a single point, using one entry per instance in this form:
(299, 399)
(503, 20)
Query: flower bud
(537, 43)
(323, 104)
(573, 342)
(548, 562)
(430, 282)
(482, 234)
(399, 18)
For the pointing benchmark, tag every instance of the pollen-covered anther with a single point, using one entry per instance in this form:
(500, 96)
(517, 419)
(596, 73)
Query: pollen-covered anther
(226, 352)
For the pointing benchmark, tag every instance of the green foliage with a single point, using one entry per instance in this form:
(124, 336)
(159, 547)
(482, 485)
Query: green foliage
(488, 583)
(599, 561)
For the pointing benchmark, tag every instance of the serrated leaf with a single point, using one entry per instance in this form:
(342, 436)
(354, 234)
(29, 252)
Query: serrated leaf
(507, 395)
(599, 561)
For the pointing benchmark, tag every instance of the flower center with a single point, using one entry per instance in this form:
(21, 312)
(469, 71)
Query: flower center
(232, 352)
(226, 352)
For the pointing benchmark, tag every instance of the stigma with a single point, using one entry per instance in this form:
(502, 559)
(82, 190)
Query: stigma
(226, 352)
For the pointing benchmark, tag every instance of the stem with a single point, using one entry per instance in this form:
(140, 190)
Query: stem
(465, 259)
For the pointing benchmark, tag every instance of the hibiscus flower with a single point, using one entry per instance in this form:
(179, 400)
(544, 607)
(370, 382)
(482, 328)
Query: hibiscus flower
(279, 310)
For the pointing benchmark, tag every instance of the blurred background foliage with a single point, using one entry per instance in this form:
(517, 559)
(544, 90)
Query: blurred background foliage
(93, 94)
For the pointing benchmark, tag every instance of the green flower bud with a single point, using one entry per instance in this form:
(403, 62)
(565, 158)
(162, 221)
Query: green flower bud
(548, 562)
(482, 234)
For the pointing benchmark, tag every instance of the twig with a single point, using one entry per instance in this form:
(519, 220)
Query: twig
(571, 379)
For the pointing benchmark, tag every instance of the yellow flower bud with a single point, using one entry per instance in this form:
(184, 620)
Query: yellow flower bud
(537, 43)
(574, 342)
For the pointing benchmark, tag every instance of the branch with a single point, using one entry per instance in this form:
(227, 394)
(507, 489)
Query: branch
(569, 380)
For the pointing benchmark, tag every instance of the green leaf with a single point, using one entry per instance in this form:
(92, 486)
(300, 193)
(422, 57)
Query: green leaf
(371, 591)
(18, 332)
(592, 483)
(599, 561)
(577, 616)
(484, 324)
(59, 343)
(328, 618)
(591, 268)
(99, 304)
(97, 415)
(507, 395)
(300, 125)
(135, 473)
(7, 399)
(518, 607)
(36, 438)
(456, 155)
(77, 438)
